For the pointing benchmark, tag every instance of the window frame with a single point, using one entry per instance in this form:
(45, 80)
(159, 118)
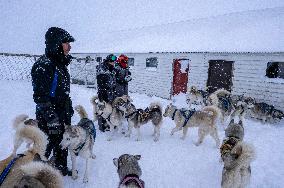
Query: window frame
(150, 63)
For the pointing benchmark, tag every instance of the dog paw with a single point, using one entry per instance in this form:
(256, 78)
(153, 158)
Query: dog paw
(127, 135)
(156, 139)
(182, 138)
(109, 139)
(137, 139)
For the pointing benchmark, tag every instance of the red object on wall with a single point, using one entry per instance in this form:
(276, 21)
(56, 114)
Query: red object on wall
(180, 79)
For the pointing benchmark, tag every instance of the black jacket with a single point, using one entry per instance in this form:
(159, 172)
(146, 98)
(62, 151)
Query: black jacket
(50, 67)
(106, 82)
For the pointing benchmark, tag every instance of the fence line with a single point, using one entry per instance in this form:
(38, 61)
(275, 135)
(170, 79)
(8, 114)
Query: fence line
(18, 67)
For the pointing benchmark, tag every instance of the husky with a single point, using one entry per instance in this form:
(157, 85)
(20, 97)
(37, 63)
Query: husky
(37, 175)
(129, 171)
(230, 105)
(138, 117)
(196, 97)
(80, 140)
(237, 156)
(204, 119)
(23, 132)
(266, 113)
(112, 114)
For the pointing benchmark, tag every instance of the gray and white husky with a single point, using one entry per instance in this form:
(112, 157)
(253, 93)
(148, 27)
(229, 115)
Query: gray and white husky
(80, 140)
(112, 114)
(204, 119)
(129, 171)
(138, 117)
(237, 156)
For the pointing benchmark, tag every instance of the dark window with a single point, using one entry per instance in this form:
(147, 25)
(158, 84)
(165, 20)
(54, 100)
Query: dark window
(275, 70)
(99, 59)
(152, 62)
(130, 61)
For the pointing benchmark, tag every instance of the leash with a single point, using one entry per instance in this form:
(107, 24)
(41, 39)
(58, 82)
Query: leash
(8, 168)
(132, 178)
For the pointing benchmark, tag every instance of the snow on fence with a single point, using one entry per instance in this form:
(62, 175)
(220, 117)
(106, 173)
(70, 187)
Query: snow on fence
(18, 67)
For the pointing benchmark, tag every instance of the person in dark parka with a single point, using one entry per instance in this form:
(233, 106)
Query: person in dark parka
(123, 76)
(106, 85)
(51, 86)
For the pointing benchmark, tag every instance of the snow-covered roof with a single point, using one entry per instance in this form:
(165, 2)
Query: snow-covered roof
(248, 31)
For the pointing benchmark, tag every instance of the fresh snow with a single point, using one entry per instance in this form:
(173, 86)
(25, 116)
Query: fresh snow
(169, 163)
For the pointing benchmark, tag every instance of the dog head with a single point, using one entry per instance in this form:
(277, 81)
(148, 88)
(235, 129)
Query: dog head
(169, 110)
(127, 164)
(71, 137)
(277, 114)
(235, 130)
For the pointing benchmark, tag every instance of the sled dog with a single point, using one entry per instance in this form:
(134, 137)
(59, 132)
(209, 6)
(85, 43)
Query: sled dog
(79, 140)
(129, 171)
(112, 114)
(204, 119)
(16, 162)
(237, 156)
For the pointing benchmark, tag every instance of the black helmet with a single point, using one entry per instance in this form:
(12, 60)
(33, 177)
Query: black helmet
(111, 58)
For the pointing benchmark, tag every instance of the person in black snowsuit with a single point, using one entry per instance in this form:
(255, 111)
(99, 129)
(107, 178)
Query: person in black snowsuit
(51, 87)
(106, 85)
(122, 75)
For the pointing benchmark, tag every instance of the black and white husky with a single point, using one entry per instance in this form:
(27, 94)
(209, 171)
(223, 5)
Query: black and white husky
(79, 140)
(138, 117)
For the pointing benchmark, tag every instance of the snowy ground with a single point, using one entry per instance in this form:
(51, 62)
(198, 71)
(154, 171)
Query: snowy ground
(170, 162)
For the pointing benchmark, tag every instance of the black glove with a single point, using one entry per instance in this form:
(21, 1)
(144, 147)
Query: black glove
(47, 110)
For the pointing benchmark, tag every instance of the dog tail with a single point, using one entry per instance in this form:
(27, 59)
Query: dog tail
(81, 111)
(44, 173)
(214, 111)
(38, 138)
(93, 99)
(18, 121)
(246, 153)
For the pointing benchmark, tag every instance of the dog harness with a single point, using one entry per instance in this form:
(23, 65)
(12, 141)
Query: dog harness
(185, 113)
(132, 178)
(225, 102)
(8, 168)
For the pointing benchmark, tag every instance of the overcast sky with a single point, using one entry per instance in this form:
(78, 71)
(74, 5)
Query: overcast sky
(23, 23)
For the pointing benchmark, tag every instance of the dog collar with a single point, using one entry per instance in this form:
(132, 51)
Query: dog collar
(132, 178)
(128, 116)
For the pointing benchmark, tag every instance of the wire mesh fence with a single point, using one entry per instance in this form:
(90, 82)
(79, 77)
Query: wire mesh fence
(18, 67)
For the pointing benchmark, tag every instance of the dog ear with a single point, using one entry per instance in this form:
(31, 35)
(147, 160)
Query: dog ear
(232, 121)
(115, 162)
(137, 157)
(241, 122)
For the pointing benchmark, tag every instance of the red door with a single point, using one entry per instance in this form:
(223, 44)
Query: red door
(180, 79)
